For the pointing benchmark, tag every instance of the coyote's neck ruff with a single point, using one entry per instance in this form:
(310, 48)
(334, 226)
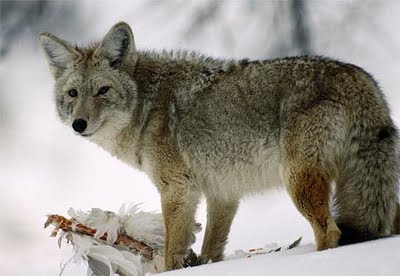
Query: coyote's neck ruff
(230, 128)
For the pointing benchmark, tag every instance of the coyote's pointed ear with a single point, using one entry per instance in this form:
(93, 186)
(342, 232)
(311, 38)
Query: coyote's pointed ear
(59, 53)
(117, 45)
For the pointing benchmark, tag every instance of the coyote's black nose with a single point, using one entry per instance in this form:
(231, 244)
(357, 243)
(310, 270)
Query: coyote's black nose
(79, 125)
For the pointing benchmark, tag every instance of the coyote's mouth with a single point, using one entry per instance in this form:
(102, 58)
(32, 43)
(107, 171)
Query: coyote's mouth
(93, 130)
(84, 134)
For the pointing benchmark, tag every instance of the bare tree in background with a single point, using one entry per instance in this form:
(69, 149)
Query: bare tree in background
(27, 18)
(301, 29)
(283, 26)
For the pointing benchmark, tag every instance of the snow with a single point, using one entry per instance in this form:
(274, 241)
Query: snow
(45, 168)
(380, 257)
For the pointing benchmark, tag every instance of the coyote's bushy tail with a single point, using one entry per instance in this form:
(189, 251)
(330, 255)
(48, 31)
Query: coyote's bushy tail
(366, 199)
(396, 226)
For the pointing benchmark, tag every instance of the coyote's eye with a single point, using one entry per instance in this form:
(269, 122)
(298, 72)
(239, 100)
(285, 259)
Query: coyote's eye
(103, 90)
(73, 93)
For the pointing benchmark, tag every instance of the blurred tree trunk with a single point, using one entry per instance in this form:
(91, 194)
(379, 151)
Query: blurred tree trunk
(27, 18)
(301, 28)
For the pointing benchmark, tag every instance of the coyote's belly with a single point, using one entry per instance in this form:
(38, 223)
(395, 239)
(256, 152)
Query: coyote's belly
(237, 178)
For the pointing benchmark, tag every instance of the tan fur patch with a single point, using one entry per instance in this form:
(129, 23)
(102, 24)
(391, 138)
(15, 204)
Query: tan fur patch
(309, 189)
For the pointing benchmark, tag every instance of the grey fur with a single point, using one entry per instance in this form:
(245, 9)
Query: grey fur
(231, 128)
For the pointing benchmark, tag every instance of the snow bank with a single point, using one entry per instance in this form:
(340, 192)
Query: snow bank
(380, 257)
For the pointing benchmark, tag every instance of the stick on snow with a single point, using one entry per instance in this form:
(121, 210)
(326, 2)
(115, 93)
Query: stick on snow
(70, 225)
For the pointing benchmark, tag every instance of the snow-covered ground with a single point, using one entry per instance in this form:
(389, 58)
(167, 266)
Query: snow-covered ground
(374, 258)
(45, 168)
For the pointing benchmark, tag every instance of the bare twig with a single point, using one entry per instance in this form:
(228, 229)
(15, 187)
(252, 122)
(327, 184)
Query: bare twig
(70, 225)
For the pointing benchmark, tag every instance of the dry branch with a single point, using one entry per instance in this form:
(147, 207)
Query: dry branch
(71, 225)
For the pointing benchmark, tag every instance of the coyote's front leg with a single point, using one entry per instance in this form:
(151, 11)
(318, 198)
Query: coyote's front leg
(220, 214)
(179, 199)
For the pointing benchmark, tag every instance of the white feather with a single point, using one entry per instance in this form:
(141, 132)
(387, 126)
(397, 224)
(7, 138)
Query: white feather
(143, 226)
(106, 259)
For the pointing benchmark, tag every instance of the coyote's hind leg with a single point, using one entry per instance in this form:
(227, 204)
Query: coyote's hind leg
(309, 189)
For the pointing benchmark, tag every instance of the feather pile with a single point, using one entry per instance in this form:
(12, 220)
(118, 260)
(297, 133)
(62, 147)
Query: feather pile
(129, 243)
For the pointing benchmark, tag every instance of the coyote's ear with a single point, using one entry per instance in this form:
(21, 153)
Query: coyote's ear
(59, 53)
(117, 45)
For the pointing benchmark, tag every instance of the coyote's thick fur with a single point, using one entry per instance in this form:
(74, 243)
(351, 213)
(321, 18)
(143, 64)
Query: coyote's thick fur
(198, 125)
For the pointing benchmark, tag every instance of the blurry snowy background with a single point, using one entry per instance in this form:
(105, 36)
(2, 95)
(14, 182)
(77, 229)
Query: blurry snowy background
(45, 168)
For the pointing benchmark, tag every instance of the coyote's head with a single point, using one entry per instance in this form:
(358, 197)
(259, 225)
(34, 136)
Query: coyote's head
(93, 90)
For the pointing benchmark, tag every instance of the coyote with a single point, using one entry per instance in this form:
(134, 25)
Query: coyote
(225, 128)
